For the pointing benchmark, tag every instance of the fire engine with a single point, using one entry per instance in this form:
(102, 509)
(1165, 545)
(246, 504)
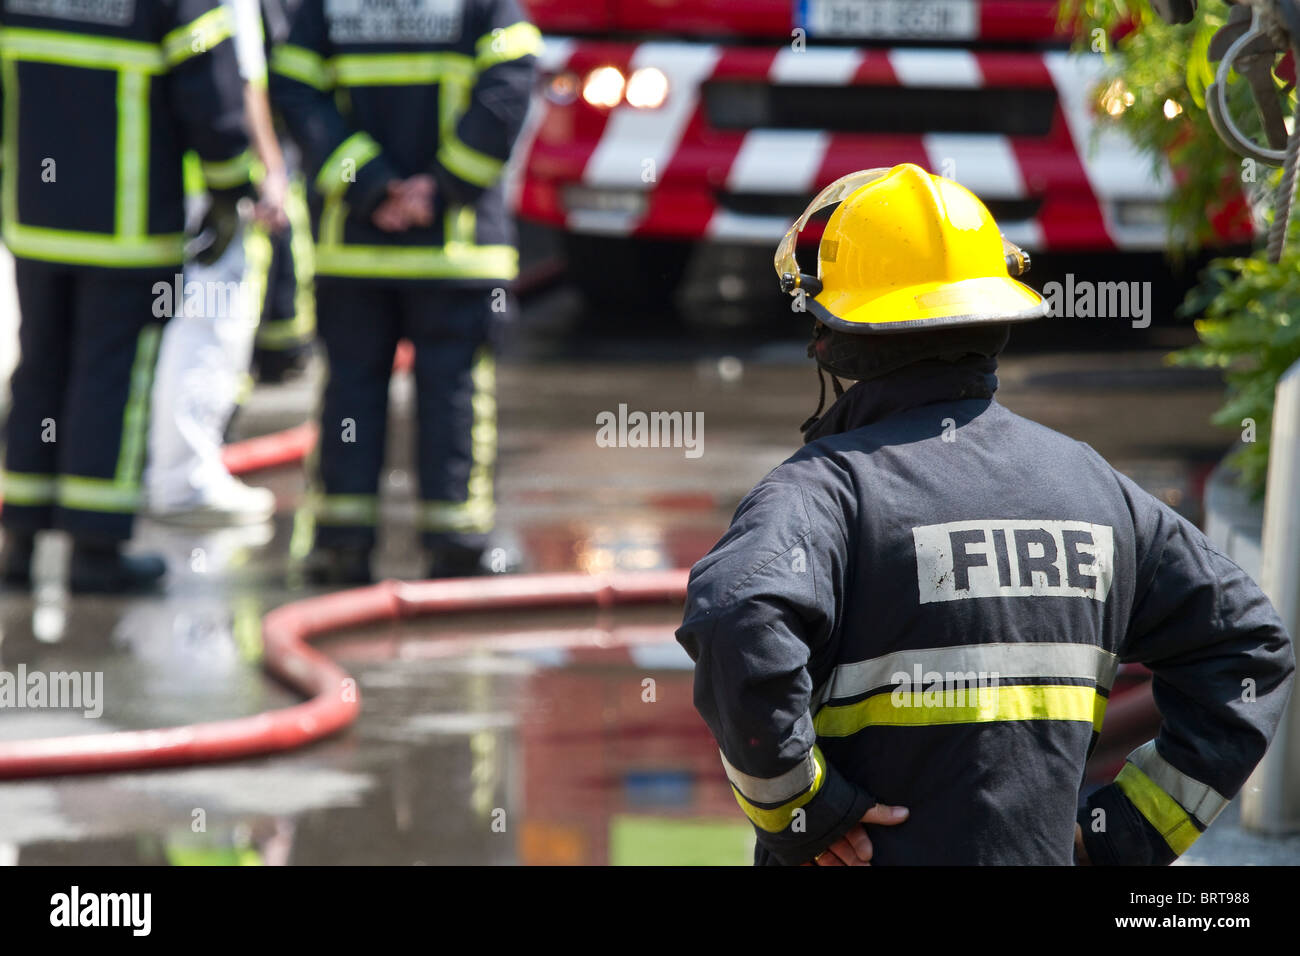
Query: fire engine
(664, 124)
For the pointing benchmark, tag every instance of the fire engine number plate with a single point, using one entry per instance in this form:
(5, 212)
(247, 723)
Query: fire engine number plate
(921, 19)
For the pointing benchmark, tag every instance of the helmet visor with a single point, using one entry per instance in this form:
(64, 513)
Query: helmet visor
(836, 192)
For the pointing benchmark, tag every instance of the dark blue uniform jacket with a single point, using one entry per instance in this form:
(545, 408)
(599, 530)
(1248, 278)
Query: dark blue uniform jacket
(926, 606)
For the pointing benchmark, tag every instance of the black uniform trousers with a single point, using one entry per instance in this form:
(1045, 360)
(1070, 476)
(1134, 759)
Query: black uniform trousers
(453, 330)
(78, 424)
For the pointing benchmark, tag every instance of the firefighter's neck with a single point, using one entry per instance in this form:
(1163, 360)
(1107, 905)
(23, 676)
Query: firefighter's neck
(920, 383)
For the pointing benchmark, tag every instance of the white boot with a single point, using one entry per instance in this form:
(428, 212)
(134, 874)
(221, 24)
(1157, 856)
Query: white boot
(218, 504)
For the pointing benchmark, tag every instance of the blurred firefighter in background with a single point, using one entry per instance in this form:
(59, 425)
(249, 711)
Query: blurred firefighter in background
(405, 118)
(101, 101)
(282, 348)
(206, 347)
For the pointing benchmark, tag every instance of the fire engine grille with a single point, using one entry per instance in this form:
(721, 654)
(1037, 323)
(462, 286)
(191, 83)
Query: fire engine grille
(789, 206)
(880, 109)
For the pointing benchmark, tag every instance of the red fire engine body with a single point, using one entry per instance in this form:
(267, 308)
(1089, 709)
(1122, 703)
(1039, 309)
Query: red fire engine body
(716, 120)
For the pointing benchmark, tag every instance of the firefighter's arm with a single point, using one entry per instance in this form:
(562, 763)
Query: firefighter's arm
(1223, 668)
(472, 152)
(760, 606)
(207, 94)
(340, 161)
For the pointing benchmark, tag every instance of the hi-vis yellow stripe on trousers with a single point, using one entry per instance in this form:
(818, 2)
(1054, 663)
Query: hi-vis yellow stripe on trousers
(477, 512)
(121, 493)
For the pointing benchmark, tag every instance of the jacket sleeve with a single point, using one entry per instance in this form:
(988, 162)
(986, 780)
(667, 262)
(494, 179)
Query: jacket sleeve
(760, 607)
(472, 153)
(341, 161)
(207, 96)
(1223, 667)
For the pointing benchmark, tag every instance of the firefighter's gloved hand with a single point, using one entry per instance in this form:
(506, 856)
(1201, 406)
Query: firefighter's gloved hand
(854, 848)
(227, 211)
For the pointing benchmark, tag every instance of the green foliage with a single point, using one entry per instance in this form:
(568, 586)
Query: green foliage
(1247, 326)
(1250, 331)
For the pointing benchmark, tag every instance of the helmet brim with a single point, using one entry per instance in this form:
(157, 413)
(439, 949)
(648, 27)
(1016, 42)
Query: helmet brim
(981, 301)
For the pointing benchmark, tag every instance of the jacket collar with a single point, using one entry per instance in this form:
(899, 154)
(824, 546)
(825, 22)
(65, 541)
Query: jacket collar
(921, 383)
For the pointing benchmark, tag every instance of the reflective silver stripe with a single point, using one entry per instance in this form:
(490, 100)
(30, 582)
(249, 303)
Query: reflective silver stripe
(1009, 661)
(1201, 801)
(772, 789)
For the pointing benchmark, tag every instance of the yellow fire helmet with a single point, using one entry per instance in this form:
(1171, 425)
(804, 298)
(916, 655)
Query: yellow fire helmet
(906, 251)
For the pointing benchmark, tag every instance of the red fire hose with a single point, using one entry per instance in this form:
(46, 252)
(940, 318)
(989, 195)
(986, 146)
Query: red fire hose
(270, 451)
(334, 701)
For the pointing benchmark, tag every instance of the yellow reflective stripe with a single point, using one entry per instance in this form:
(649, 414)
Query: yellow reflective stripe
(299, 63)
(453, 99)
(477, 513)
(971, 705)
(345, 509)
(75, 49)
(97, 494)
(398, 69)
(358, 149)
(28, 489)
(776, 819)
(463, 516)
(417, 262)
(507, 43)
(198, 36)
(469, 164)
(135, 418)
(303, 252)
(1199, 799)
(91, 248)
(227, 173)
(459, 225)
(332, 217)
(131, 214)
(280, 333)
(9, 143)
(257, 268)
(1160, 810)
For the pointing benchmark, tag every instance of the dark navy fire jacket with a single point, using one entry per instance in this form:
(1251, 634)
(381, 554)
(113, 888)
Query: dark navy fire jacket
(927, 605)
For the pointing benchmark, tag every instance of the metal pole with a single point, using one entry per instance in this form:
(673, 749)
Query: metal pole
(1270, 801)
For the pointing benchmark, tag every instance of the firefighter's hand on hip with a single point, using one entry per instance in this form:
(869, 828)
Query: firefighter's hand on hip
(1080, 850)
(854, 848)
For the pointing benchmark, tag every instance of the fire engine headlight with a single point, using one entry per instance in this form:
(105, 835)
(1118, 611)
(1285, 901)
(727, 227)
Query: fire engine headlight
(647, 88)
(561, 88)
(603, 87)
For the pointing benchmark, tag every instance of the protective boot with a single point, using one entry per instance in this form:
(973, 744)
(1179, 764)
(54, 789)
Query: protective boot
(100, 567)
(338, 566)
(448, 560)
(16, 559)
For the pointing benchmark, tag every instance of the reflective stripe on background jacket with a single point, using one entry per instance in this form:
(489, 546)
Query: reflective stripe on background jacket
(373, 92)
(101, 99)
(926, 607)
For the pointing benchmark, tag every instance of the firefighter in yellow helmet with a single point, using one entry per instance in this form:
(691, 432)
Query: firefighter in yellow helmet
(905, 642)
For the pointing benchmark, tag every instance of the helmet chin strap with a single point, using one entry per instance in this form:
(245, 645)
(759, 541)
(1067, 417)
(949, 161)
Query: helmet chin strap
(821, 390)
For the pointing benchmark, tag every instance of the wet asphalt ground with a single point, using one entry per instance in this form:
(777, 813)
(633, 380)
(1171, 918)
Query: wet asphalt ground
(470, 749)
